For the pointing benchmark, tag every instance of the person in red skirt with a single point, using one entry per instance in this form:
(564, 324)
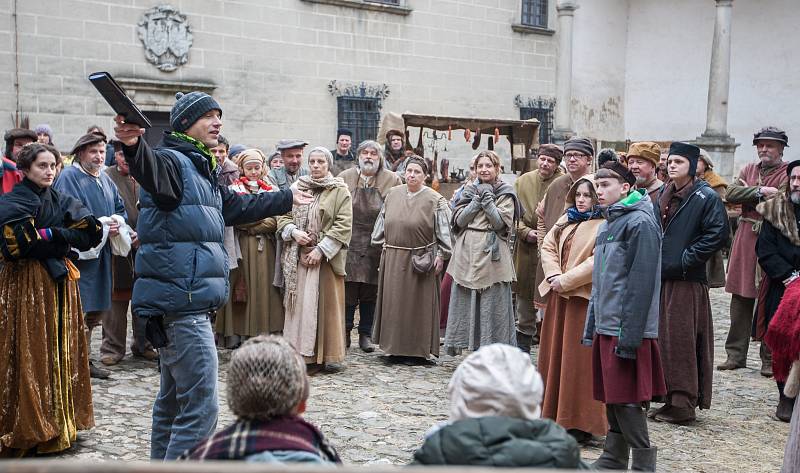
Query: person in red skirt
(622, 318)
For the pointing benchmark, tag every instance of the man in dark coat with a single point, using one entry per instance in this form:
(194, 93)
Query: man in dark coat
(694, 225)
(180, 266)
(778, 250)
(115, 328)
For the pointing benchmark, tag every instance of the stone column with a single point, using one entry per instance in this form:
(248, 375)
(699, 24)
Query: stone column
(562, 128)
(715, 138)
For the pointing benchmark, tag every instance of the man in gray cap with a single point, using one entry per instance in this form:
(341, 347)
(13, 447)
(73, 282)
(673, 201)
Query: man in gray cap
(757, 182)
(292, 155)
(182, 278)
(578, 155)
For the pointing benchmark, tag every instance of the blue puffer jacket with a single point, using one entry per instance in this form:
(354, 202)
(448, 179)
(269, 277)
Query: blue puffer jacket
(181, 266)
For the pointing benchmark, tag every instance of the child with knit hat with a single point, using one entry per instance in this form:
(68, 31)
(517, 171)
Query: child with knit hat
(267, 391)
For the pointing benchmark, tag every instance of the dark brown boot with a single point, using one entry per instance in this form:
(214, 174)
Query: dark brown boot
(524, 342)
(730, 365)
(785, 409)
(615, 453)
(365, 343)
(677, 415)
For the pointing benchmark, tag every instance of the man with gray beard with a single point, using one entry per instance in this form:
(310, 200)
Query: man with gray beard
(368, 184)
(643, 161)
(778, 251)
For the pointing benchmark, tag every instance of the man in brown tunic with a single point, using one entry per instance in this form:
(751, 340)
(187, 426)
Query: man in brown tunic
(530, 188)
(578, 155)
(757, 182)
(116, 328)
(368, 183)
(643, 158)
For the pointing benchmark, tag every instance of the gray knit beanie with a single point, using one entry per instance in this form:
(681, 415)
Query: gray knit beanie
(266, 379)
(189, 108)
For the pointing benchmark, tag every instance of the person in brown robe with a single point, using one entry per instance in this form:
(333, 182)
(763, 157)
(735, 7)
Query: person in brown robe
(757, 182)
(368, 184)
(414, 223)
(695, 226)
(317, 235)
(255, 306)
(578, 155)
(122, 268)
(530, 189)
(643, 158)
(705, 171)
(47, 394)
(567, 260)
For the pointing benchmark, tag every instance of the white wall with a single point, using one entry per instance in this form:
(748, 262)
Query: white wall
(669, 51)
(598, 85)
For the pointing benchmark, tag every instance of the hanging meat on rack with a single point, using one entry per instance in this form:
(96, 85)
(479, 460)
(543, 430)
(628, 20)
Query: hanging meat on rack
(476, 143)
(467, 134)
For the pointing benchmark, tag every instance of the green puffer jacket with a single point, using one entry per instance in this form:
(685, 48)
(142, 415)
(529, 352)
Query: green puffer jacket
(503, 442)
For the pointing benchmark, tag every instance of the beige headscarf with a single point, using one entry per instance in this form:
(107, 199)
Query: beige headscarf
(496, 380)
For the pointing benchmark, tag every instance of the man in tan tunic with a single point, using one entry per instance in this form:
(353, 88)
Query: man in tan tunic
(757, 182)
(578, 155)
(530, 188)
(643, 159)
(368, 184)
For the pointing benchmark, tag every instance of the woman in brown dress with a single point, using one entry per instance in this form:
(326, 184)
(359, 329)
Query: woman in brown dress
(413, 225)
(567, 260)
(255, 306)
(46, 396)
(316, 236)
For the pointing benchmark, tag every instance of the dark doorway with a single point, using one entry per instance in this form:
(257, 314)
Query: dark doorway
(160, 121)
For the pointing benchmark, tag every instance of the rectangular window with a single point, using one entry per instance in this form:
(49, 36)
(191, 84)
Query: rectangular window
(545, 117)
(534, 13)
(361, 115)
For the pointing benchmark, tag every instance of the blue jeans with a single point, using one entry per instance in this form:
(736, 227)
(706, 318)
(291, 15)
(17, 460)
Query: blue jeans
(186, 408)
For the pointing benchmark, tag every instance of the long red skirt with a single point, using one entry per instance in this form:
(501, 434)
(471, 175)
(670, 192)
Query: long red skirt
(624, 381)
(565, 365)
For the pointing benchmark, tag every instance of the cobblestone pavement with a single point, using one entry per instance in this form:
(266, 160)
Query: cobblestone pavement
(377, 413)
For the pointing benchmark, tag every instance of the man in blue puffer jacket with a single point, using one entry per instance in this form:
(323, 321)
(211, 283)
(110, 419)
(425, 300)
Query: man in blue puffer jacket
(181, 269)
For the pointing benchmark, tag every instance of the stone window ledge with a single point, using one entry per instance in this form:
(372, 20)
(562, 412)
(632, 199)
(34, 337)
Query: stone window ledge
(526, 29)
(366, 5)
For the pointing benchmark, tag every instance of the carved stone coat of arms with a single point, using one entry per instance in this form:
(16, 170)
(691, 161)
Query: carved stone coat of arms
(167, 37)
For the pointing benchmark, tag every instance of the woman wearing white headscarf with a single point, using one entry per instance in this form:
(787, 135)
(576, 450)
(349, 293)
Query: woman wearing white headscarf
(494, 417)
(316, 236)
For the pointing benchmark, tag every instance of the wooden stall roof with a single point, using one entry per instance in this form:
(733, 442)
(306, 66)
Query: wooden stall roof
(523, 131)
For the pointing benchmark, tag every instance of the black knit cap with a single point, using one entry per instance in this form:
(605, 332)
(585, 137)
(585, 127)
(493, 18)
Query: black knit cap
(690, 152)
(771, 133)
(343, 131)
(623, 171)
(189, 108)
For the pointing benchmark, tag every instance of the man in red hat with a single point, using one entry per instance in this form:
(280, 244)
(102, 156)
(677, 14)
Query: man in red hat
(757, 182)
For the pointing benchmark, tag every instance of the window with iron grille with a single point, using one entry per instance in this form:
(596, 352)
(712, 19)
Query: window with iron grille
(534, 13)
(361, 115)
(545, 116)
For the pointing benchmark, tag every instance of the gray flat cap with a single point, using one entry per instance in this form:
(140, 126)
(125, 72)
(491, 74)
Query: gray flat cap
(289, 144)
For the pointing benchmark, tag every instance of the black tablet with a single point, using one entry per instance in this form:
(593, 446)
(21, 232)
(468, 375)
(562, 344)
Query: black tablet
(119, 101)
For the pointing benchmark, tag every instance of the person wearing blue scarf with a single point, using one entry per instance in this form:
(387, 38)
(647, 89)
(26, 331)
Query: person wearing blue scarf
(567, 260)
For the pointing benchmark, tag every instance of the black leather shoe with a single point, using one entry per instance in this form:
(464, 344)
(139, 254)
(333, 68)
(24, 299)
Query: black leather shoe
(365, 343)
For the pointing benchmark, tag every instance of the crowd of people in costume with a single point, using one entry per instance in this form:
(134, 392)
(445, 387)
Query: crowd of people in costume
(604, 260)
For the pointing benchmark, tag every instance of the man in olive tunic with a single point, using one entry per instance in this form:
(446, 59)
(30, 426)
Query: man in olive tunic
(368, 183)
(530, 188)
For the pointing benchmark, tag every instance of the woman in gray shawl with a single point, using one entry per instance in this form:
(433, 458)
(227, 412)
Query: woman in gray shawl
(481, 309)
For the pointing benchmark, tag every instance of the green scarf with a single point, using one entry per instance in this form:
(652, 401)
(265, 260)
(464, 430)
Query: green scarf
(635, 196)
(204, 150)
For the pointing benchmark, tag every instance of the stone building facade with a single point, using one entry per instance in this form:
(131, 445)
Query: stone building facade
(282, 68)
